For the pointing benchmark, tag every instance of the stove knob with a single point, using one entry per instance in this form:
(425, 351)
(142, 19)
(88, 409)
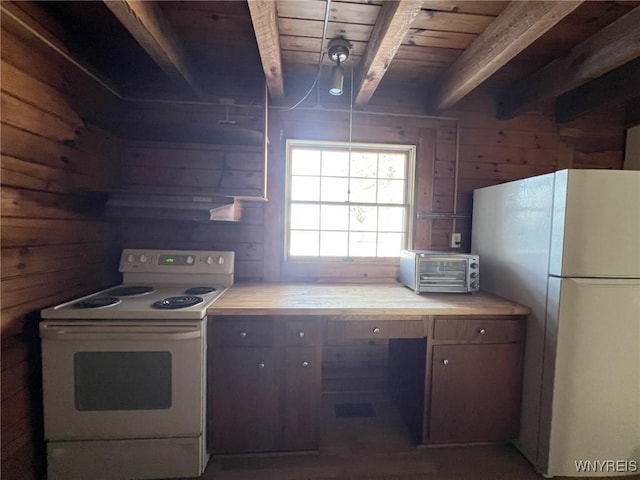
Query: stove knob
(220, 260)
(190, 259)
(143, 258)
(131, 258)
(209, 260)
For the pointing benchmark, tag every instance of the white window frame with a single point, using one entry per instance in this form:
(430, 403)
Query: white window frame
(410, 180)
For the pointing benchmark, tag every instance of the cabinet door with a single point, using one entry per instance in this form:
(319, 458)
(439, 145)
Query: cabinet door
(475, 392)
(302, 397)
(245, 412)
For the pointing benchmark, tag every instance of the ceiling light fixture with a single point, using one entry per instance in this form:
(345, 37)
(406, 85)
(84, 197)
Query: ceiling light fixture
(338, 51)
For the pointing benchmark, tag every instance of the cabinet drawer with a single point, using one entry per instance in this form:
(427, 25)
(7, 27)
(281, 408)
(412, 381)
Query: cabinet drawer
(241, 332)
(303, 332)
(374, 329)
(480, 330)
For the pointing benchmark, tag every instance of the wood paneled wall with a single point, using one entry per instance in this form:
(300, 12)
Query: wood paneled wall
(55, 246)
(486, 151)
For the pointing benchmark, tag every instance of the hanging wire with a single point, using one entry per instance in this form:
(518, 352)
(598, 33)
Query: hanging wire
(349, 165)
(322, 40)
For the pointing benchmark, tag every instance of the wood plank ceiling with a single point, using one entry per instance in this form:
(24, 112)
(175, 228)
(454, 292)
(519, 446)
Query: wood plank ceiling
(523, 52)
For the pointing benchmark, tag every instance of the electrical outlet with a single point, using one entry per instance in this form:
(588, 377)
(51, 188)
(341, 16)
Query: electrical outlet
(456, 240)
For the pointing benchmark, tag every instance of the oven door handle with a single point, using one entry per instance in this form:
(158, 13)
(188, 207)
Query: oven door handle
(71, 335)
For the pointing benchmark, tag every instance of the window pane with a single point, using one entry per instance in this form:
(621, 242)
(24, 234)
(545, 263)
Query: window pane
(391, 165)
(305, 217)
(363, 218)
(305, 162)
(337, 195)
(362, 244)
(391, 191)
(305, 188)
(334, 217)
(334, 189)
(363, 190)
(391, 219)
(364, 164)
(390, 244)
(333, 244)
(335, 163)
(304, 243)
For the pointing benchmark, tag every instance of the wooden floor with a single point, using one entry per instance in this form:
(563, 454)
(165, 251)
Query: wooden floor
(375, 448)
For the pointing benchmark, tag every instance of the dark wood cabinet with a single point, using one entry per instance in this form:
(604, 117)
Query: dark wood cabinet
(245, 413)
(475, 394)
(475, 380)
(264, 377)
(454, 379)
(302, 380)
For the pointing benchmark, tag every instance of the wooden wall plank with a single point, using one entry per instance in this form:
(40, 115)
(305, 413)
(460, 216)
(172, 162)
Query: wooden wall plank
(54, 246)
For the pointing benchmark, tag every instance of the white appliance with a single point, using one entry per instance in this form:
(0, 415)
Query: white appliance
(567, 244)
(124, 370)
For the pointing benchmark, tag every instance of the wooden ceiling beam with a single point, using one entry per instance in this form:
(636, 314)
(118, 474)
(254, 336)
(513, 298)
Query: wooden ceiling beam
(611, 47)
(146, 23)
(517, 27)
(264, 16)
(619, 85)
(391, 27)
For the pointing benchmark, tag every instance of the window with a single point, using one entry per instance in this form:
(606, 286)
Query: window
(348, 201)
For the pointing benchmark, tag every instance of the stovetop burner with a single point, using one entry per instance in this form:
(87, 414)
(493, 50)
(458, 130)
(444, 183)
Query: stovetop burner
(131, 290)
(98, 302)
(199, 290)
(182, 301)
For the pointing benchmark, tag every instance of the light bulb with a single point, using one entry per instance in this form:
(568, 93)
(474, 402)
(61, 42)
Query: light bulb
(337, 80)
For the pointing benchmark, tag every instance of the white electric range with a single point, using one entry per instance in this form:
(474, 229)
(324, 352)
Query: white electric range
(124, 369)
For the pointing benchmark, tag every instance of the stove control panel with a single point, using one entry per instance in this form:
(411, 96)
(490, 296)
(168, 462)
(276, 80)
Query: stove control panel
(177, 261)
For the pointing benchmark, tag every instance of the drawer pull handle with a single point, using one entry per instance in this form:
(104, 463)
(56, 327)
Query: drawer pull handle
(261, 365)
(376, 330)
(482, 331)
(243, 334)
(305, 364)
(301, 334)
(445, 361)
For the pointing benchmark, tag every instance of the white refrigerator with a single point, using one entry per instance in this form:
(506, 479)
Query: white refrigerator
(567, 244)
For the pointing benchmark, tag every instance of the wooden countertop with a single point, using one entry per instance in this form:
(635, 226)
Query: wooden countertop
(349, 299)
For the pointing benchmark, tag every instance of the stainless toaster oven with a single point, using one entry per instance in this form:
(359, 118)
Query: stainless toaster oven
(431, 271)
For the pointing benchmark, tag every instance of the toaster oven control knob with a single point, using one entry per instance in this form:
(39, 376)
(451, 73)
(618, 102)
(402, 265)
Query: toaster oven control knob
(474, 285)
(474, 265)
(220, 260)
(473, 274)
(376, 330)
(209, 260)
(482, 331)
(131, 258)
(190, 259)
(143, 258)
(305, 364)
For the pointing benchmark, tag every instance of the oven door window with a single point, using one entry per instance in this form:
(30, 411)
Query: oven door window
(122, 380)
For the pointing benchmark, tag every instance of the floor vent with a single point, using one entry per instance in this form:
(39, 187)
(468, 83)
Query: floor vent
(349, 410)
